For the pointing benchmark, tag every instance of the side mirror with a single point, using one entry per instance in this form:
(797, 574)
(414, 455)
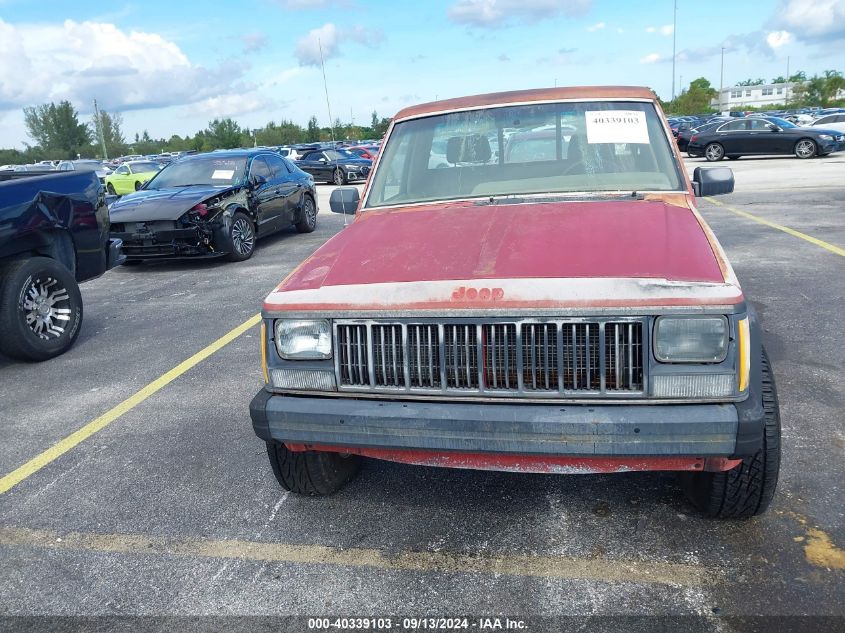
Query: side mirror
(259, 180)
(345, 200)
(774, 128)
(714, 181)
(321, 159)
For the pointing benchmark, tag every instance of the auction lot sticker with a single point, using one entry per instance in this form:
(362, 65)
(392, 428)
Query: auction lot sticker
(616, 126)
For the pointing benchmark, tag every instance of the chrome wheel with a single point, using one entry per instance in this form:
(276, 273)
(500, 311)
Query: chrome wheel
(310, 213)
(339, 178)
(243, 236)
(805, 148)
(714, 152)
(46, 308)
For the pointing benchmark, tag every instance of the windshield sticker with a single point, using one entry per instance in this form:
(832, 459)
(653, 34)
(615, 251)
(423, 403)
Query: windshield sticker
(616, 126)
(223, 174)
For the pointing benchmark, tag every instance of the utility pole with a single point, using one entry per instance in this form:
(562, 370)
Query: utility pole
(722, 80)
(100, 131)
(674, 28)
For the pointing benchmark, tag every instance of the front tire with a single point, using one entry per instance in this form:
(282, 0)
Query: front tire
(339, 177)
(40, 309)
(308, 222)
(714, 152)
(138, 185)
(748, 489)
(806, 148)
(315, 473)
(241, 238)
(110, 188)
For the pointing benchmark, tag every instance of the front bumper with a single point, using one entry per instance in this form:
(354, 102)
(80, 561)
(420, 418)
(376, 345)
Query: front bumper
(700, 430)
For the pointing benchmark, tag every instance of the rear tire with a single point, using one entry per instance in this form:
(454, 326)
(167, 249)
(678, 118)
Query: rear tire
(40, 309)
(308, 222)
(714, 152)
(315, 473)
(748, 489)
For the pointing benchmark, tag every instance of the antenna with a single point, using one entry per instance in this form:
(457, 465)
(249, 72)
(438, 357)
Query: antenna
(331, 121)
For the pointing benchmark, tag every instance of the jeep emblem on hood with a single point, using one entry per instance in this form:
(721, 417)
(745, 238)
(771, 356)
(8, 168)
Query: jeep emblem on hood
(479, 294)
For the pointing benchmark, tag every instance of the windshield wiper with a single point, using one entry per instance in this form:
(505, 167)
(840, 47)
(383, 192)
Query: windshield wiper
(552, 197)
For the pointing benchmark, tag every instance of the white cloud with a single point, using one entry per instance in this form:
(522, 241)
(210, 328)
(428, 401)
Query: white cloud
(650, 29)
(230, 105)
(492, 13)
(80, 61)
(596, 27)
(667, 29)
(651, 58)
(776, 39)
(254, 41)
(329, 37)
(812, 19)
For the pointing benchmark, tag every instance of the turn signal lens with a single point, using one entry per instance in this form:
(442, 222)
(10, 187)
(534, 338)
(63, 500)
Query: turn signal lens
(744, 354)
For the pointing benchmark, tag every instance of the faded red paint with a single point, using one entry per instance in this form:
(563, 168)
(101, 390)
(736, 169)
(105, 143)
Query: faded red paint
(529, 463)
(646, 239)
(591, 93)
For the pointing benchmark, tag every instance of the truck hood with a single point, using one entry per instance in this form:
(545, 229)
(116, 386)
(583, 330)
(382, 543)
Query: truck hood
(160, 204)
(429, 253)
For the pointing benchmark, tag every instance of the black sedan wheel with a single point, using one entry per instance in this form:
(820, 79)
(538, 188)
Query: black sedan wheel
(714, 152)
(308, 222)
(40, 309)
(805, 148)
(241, 237)
(339, 178)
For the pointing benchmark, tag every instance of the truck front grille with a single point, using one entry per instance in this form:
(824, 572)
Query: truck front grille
(524, 358)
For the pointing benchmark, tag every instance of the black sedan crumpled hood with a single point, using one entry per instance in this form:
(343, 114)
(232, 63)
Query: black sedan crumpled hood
(161, 204)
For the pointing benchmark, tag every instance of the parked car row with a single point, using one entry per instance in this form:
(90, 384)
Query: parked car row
(760, 135)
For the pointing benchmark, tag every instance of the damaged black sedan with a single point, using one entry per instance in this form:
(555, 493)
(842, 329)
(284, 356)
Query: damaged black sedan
(214, 205)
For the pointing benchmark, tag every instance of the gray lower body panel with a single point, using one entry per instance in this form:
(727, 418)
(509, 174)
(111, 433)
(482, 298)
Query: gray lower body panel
(600, 430)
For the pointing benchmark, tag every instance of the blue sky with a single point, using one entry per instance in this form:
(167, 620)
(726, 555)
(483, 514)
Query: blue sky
(170, 67)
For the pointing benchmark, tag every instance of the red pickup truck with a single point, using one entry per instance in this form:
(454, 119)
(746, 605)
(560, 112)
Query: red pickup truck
(544, 297)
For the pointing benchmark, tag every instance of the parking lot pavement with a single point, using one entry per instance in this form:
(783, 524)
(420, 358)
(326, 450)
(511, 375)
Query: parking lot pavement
(171, 508)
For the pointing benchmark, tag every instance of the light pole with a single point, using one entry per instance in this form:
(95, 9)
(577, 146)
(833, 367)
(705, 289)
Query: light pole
(722, 80)
(674, 25)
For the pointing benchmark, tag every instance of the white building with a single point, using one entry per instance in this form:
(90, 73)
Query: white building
(739, 97)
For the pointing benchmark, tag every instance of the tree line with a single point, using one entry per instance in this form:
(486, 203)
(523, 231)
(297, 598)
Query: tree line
(58, 134)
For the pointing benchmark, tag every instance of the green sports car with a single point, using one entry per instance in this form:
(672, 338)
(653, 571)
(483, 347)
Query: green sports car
(130, 176)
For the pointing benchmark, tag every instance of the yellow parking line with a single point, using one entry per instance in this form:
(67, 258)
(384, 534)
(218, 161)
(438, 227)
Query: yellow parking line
(520, 565)
(40, 461)
(780, 227)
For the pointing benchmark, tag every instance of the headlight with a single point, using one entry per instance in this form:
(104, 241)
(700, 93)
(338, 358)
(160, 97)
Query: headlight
(825, 137)
(297, 340)
(691, 339)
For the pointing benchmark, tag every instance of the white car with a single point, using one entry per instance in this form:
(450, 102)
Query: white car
(834, 121)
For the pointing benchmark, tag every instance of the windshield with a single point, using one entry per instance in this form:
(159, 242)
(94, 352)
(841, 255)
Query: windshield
(781, 122)
(527, 149)
(216, 171)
